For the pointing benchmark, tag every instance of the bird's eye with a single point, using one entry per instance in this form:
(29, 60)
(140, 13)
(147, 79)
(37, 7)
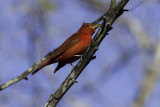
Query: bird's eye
(87, 25)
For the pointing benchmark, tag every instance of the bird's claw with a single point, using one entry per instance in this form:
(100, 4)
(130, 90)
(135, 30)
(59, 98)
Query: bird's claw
(79, 56)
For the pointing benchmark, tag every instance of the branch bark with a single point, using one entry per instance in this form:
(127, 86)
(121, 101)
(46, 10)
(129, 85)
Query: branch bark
(115, 10)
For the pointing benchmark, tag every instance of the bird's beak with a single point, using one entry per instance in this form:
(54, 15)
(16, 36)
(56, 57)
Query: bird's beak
(96, 26)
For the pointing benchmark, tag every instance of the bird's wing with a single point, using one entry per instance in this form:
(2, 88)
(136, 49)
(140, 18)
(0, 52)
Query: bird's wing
(71, 41)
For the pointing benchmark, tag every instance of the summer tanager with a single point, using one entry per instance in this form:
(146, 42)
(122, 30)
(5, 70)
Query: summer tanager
(72, 49)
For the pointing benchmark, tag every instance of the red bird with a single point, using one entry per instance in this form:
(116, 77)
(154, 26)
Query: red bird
(72, 48)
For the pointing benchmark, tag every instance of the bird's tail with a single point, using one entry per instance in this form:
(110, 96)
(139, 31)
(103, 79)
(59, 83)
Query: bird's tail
(40, 67)
(49, 61)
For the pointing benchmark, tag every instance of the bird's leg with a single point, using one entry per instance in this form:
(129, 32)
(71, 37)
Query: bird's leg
(79, 56)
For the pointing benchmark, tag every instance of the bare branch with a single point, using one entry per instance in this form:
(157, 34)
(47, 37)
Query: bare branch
(115, 10)
(109, 17)
(25, 74)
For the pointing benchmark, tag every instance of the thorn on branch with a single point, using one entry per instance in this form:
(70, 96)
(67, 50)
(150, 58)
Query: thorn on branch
(107, 33)
(74, 80)
(109, 27)
(125, 10)
(121, 11)
(93, 57)
(26, 78)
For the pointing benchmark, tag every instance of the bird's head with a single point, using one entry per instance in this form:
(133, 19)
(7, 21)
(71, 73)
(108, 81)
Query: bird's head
(89, 28)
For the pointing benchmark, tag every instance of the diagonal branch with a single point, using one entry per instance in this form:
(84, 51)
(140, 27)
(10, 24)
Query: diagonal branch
(25, 74)
(115, 10)
(110, 16)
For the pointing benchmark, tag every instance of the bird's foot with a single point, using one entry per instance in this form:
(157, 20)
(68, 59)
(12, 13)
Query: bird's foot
(79, 56)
